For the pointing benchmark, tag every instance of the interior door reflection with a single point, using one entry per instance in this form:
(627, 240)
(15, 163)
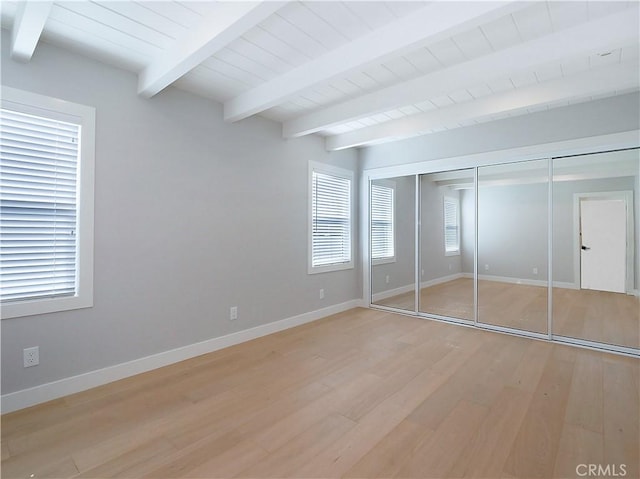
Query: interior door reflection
(595, 207)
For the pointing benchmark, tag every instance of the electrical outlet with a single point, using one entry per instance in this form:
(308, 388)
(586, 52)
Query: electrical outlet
(486, 267)
(322, 294)
(450, 267)
(386, 279)
(31, 356)
(422, 272)
(535, 270)
(233, 313)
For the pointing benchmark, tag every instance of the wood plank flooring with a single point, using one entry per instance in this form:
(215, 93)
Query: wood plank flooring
(361, 394)
(611, 318)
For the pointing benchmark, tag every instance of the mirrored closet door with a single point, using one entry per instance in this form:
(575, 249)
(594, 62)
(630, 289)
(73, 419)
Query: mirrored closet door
(513, 245)
(547, 247)
(447, 236)
(595, 248)
(392, 242)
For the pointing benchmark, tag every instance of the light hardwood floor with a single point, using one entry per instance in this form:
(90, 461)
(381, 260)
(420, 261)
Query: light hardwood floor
(611, 318)
(360, 394)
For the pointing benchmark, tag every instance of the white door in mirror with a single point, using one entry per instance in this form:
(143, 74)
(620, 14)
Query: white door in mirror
(603, 251)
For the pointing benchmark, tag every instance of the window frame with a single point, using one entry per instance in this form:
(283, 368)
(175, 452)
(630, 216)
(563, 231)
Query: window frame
(342, 173)
(41, 105)
(392, 186)
(456, 201)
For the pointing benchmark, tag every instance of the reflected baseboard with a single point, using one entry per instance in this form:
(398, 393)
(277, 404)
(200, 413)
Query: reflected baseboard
(528, 282)
(382, 295)
(443, 279)
(390, 293)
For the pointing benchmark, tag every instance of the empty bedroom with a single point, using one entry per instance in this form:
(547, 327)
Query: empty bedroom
(320, 239)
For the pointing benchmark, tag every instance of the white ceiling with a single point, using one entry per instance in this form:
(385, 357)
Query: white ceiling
(356, 72)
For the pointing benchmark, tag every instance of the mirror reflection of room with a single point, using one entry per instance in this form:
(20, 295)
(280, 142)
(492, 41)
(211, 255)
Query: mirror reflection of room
(393, 242)
(513, 212)
(596, 260)
(446, 244)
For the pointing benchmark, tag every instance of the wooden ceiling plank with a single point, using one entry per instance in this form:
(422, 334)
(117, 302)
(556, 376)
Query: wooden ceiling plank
(621, 29)
(231, 21)
(431, 23)
(594, 82)
(27, 28)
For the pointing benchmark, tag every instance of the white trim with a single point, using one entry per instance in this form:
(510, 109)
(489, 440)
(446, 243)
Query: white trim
(418, 242)
(578, 146)
(86, 117)
(63, 387)
(443, 279)
(596, 346)
(364, 237)
(389, 260)
(390, 293)
(524, 281)
(627, 197)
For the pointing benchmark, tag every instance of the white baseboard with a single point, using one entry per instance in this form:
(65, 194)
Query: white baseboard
(410, 287)
(63, 387)
(392, 292)
(527, 282)
(443, 279)
(487, 277)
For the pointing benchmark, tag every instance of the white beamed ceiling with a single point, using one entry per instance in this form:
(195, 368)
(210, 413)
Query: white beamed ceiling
(355, 72)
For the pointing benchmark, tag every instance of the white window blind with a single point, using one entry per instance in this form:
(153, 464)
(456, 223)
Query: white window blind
(451, 226)
(38, 203)
(330, 219)
(382, 235)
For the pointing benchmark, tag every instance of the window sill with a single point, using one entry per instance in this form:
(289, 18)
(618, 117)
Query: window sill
(383, 261)
(330, 267)
(44, 306)
(452, 253)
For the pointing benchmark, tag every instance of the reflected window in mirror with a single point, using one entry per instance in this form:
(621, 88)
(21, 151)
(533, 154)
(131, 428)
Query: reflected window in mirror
(383, 223)
(447, 225)
(451, 226)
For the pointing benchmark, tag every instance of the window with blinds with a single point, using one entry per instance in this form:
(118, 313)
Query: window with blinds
(382, 222)
(451, 226)
(330, 220)
(38, 203)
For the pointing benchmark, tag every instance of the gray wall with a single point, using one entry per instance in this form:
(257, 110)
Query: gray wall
(192, 216)
(600, 117)
(512, 231)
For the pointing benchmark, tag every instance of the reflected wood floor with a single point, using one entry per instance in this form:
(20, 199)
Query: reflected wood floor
(611, 318)
(361, 394)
